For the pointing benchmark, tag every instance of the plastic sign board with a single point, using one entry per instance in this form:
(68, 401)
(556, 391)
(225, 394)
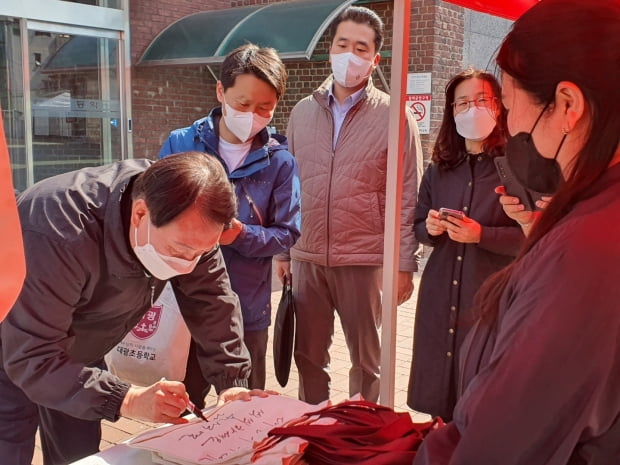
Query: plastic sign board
(419, 98)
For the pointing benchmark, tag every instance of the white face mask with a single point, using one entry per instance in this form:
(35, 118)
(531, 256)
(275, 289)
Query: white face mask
(349, 69)
(162, 267)
(476, 123)
(243, 124)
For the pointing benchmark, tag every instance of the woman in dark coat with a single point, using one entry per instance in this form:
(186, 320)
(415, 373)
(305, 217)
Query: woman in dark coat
(540, 369)
(466, 251)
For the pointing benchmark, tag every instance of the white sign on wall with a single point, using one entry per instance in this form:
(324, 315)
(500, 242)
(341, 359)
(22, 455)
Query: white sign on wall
(419, 98)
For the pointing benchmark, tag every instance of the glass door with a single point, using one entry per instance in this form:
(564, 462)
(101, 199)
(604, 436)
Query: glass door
(74, 100)
(62, 98)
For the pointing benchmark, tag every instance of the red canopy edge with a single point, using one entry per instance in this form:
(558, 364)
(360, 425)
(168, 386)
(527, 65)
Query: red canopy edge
(509, 9)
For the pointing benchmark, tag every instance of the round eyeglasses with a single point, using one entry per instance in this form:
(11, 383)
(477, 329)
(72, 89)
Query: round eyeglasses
(462, 105)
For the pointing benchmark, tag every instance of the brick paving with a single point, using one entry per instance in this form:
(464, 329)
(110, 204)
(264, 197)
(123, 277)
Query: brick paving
(115, 433)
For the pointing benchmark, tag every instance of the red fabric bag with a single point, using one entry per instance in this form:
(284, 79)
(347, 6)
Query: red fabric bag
(364, 434)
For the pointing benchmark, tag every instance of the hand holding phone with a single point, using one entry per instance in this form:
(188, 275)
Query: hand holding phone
(444, 213)
(512, 186)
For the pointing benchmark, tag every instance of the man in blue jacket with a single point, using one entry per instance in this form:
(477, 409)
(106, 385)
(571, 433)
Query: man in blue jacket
(264, 173)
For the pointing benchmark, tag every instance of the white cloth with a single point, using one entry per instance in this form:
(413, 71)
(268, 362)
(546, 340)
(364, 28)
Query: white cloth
(234, 154)
(229, 435)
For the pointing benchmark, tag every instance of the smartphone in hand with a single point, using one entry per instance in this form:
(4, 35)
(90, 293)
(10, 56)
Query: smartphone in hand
(512, 186)
(444, 213)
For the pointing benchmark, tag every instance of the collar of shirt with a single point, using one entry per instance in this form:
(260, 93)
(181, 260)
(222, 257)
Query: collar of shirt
(340, 110)
(234, 154)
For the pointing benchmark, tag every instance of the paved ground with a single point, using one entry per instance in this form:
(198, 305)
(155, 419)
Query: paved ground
(114, 433)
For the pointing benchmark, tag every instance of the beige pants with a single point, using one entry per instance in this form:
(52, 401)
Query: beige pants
(354, 292)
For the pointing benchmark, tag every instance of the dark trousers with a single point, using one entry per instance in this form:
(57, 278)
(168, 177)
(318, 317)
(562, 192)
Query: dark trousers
(198, 387)
(64, 439)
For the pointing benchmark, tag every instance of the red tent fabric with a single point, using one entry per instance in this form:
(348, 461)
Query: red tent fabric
(509, 9)
(13, 268)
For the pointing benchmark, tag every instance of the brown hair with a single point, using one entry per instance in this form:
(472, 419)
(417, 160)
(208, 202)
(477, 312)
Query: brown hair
(264, 63)
(186, 180)
(360, 15)
(449, 147)
(579, 44)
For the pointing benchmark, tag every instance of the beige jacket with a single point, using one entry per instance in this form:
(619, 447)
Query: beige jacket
(343, 190)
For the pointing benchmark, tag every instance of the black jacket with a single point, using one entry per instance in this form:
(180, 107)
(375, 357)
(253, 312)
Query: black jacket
(453, 274)
(85, 289)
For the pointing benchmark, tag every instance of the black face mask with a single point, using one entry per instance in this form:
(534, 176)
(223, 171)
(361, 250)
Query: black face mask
(532, 170)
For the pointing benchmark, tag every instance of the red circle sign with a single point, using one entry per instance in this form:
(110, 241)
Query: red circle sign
(419, 110)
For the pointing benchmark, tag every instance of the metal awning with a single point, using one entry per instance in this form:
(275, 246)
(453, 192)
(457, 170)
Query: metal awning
(80, 53)
(292, 28)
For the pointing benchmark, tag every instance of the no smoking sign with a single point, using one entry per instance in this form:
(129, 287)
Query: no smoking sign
(420, 104)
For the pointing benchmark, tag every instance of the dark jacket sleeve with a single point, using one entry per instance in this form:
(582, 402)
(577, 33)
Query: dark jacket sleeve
(213, 315)
(36, 336)
(503, 240)
(425, 204)
(551, 381)
(278, 235)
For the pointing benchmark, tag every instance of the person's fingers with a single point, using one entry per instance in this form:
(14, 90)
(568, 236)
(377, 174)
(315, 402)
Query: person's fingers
(405, 296)
(258, 393)
(508, 200)
(177, 421)
(173, 387)
(514, 208)
(171, 398)
(172, 406)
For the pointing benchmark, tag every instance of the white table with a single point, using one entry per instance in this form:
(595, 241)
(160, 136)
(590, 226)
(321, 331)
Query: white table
(118, 455)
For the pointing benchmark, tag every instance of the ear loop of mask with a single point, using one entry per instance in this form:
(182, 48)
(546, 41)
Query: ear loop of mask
(557, 152)
(148, 234)
(538, 119)
(560, 146)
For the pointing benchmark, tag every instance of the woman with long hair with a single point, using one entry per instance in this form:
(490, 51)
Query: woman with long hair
(540, 370)
(467, 249)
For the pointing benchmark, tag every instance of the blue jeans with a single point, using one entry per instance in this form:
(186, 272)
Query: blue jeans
(64, 439)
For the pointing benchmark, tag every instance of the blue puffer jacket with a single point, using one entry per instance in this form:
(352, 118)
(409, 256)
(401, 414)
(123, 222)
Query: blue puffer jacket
(268, 196)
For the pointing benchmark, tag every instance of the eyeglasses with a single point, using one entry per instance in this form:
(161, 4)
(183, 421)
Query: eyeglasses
(481, 102)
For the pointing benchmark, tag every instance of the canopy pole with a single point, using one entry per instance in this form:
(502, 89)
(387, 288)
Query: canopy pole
(394, 189)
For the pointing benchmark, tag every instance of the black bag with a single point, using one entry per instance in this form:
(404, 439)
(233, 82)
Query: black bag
(284, 334)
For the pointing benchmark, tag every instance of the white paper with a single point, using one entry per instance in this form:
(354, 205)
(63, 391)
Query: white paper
(229, 435)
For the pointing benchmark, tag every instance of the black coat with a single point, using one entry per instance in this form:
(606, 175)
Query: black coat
(85, 289)
(453, 274)
(541, 384)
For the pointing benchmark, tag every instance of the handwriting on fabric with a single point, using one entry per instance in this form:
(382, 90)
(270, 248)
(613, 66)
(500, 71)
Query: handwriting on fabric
(230, 433)
(224, 427)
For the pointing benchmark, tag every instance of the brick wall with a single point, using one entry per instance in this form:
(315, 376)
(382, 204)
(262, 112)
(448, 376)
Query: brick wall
(436, 46)
(165, 98)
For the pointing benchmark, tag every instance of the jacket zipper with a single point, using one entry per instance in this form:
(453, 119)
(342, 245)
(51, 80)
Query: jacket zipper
(152, 286)
(253, 207)
(329, 192)
(331, 174)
